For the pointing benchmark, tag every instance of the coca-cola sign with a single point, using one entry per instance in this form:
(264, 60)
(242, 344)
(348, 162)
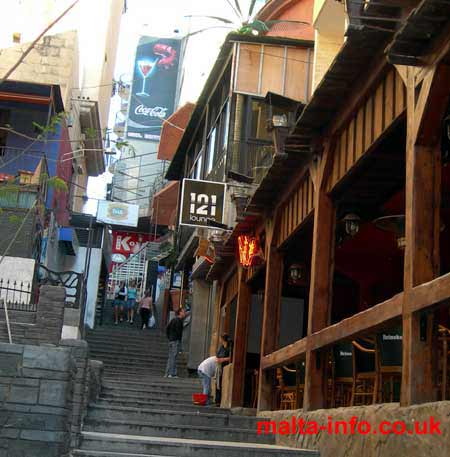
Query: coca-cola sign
(154, 86)
(156, 111)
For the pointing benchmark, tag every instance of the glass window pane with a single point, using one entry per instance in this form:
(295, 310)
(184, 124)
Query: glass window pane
(211, 150)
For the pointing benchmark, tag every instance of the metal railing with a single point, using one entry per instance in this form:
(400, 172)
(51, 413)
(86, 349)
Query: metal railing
(18, 296)
(251, 159)
(71, 280)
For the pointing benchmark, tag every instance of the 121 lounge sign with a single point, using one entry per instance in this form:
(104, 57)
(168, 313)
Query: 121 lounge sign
(201, 201)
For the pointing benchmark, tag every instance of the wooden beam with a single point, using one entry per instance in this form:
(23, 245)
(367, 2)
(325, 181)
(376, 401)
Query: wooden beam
(429, 294)
(271, 312)
(243, 308)
(320, 296)
(216, 323)
(422, 223)
(285, 355)
(360, 323)
(363, 322)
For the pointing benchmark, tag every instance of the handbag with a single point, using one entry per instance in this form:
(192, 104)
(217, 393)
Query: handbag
(151, 321)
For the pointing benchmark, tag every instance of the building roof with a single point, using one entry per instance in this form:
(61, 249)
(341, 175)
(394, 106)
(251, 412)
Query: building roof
(417, 35)
(175, 171)
(33, 92)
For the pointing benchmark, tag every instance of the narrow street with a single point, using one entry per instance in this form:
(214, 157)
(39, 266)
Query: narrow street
(142, 413)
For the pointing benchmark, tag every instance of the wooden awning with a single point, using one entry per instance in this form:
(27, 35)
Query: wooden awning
(418, 34)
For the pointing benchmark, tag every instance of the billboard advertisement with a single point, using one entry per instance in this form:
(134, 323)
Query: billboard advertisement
(201, 201)
(116, 213)
(153, 91)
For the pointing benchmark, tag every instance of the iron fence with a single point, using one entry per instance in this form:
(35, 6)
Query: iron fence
(18, 296)
(71, 280)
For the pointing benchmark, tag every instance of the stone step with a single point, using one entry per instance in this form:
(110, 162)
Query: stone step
(138, 352)
(184, 392)
(184, 396)
(156, 380)
(84, 453)
(131, 358)
(162, 416)
(176, 406)
(150, 387)
(134, 372)
(137, 365)
(130, 332)
(180, 430)
(135, 444)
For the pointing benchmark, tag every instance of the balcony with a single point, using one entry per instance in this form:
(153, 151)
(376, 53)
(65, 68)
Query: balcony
(251, 159)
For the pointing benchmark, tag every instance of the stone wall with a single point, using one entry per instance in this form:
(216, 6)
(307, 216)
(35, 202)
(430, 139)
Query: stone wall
(54, 60)
(36, 385)
(48, 321)
(44, 394)
(371, 444)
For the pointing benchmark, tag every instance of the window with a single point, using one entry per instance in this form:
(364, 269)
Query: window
(196, 170)
(210, 156)
(257, 128)
(198, 166)
(225, 124)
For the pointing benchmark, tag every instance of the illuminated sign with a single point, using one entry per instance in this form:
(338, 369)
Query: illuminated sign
(250, 252)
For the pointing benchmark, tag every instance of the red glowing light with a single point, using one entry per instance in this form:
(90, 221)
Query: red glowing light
(249, 250)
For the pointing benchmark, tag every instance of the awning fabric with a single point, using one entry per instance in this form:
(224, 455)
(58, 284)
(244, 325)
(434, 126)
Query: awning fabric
(165, 205)
(172, 131)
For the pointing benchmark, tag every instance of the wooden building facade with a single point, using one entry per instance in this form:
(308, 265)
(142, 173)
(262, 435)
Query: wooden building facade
(354, 222)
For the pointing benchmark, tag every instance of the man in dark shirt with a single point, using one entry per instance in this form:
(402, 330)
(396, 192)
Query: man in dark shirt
(174, 332)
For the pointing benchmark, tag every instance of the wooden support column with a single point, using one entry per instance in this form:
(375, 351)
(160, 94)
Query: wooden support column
(322, 267)
(216, 323)
(426, 105)
(271, 312)
(244, 301)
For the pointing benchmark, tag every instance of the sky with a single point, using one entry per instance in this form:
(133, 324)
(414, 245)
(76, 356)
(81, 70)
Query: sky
(167, 18)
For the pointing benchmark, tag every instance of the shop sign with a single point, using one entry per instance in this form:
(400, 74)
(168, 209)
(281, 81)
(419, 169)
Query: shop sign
(116, 213)
(202, 201)
(250, 252)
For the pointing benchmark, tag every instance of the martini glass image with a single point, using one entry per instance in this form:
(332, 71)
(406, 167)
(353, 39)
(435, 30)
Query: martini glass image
(145, 67)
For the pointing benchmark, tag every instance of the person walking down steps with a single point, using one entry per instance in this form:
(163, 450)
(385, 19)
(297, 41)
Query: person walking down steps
(174, 332)
(146, 309)
(120, 296)
(131, 301)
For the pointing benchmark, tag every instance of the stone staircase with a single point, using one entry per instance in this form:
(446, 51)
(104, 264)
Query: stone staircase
(142, 414)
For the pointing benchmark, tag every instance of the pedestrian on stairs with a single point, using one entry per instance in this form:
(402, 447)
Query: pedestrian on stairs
(223, 358)
(174, 332)
(120, 295)
(131, 301)
(206, 371)
(146, 308)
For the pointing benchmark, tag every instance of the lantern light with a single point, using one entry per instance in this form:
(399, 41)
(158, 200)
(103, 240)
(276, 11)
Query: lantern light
(351, 224)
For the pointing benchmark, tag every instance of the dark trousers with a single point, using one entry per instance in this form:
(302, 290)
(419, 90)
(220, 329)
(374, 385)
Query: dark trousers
(145, 316)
